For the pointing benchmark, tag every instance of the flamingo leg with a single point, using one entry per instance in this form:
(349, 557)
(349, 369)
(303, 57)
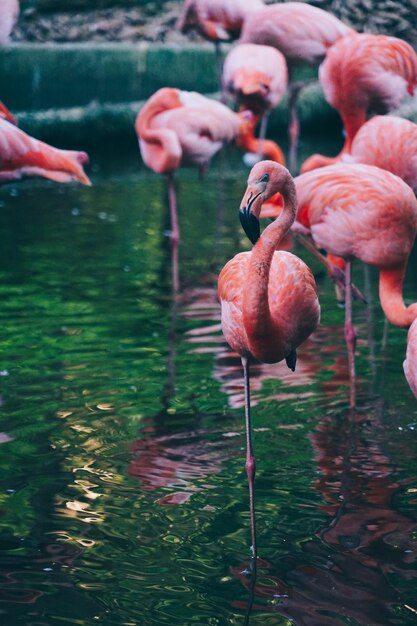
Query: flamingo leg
(350, 334)
(174, 233)
(250, 458)
(294, 124)
(336, 274)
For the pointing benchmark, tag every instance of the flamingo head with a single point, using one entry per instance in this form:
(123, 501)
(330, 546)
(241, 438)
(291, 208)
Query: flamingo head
(266, 178)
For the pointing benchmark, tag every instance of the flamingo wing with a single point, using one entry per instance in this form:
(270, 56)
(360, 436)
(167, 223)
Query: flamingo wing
(22, 155)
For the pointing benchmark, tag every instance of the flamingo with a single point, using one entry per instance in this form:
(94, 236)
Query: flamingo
(217, 20)
(23, 156)
(9, 12)
(256, 76)
(303, 33)
(389, 142)
(410, 363)
(269, 302)
(363, 74)
(177, 128)
(360, 211)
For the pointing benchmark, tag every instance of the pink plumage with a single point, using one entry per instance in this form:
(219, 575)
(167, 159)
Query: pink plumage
(255, 75)
(177, 128)
(22, 156)
(389, 142)
(9, 12)
(364, 74)
(268, 297)
(218, 20)
(302, 33)
(360, 211)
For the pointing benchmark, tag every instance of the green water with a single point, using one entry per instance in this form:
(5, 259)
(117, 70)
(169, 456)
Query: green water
(123, 492)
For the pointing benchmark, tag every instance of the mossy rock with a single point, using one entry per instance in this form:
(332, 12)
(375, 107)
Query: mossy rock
(84, 5)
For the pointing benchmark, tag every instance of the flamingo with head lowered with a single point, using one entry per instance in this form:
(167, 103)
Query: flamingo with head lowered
(303, 34)
(268, 298)
(364, 74)
(256, 77)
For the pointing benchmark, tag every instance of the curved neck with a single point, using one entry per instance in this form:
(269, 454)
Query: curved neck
(262, 335)
(352, 122)
(264, 147)
(160, 147)
(391, 297)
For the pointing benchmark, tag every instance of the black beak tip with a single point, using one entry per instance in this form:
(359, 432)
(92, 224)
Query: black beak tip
(250, 225)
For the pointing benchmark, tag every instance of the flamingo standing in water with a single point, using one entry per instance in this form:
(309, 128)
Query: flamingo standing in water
(9, 12)
(257, 77)
(303, 33)
(23, 156)
(177, 128)
(364, 74)
(268, 298)
(363, 212)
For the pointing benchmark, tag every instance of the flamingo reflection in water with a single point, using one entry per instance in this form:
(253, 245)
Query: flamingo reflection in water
(352, 568)
(176, 462)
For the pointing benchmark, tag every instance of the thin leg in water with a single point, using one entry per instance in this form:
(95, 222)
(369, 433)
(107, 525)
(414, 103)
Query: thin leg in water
(336, 274)
(174, 233)
(219, 67)
(250, 459)
(350, 334)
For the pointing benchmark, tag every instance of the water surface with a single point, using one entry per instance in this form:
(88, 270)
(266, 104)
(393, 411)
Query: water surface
(123, 491)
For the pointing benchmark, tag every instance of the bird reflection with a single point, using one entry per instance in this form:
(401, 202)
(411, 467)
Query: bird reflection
(176, 461)
(170, 452)
(352, 564)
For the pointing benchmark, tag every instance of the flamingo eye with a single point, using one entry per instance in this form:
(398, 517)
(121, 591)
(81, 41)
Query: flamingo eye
(264, 179)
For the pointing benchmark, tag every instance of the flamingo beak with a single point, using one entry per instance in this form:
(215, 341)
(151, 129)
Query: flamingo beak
(248, 217)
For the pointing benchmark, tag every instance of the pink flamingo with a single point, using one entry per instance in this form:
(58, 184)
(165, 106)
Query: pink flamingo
(364, 74)
(23, 156)
(303, 33)
(177, 128)
(217, 20)
(9, 12)
(256, 76)
(363, 212)
(268, 298)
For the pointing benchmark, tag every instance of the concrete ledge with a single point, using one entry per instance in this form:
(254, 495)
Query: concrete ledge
(81, 95)
(48, 76)
(96, 123)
